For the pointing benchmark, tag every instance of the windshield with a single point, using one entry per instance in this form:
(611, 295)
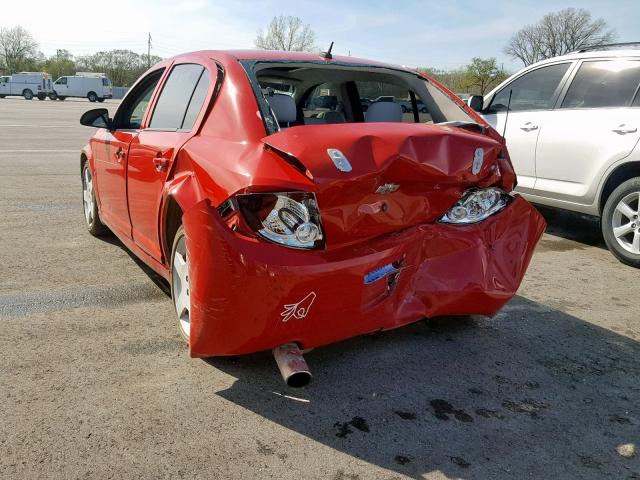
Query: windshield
(298, 93)
(106, 82)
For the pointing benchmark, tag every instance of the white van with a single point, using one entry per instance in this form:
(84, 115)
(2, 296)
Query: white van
(94, 86)
(27, 85)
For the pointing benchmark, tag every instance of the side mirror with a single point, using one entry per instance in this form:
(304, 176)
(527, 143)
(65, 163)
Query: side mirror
(97, 118)
(476, 102)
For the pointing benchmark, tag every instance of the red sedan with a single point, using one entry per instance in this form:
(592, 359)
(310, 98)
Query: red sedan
(283, 215)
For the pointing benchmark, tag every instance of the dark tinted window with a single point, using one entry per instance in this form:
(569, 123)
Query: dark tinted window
(174, 98)
(610, 83)
(199, 95)
(532, 91)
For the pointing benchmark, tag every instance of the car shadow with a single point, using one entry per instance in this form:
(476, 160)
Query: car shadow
(576, 227)
(158, 280)
(532, 393)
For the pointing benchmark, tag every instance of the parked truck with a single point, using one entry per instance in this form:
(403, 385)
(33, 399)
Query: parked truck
(27, 85)
(93, 86)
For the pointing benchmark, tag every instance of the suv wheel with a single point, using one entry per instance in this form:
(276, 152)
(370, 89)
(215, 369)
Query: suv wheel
(621, 222)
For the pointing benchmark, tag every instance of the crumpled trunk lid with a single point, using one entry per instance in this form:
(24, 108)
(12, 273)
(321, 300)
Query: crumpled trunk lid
(401, 174)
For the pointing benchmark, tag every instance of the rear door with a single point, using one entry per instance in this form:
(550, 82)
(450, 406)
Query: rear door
(111, 150)
(154, 150)
(594, 126)
(533, 96)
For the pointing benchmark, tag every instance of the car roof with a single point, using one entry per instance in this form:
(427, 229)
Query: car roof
(580, 55)
(276, 55)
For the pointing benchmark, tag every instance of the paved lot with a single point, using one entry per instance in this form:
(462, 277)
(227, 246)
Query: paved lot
(95, 382)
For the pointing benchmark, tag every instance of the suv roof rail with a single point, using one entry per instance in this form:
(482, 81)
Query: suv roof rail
(608, 46)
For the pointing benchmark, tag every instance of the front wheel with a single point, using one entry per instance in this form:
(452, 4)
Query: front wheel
(92, 96)
(100, 100)
(91, 216)
(621, 222)
(62, 99)
(27, 94)
(180, 289)
(404, 109)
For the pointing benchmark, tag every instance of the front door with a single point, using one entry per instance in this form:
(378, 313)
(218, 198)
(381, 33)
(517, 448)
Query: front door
(61, 87)
(111, 154)
(154, 150)
(529, 97)
(595, 125)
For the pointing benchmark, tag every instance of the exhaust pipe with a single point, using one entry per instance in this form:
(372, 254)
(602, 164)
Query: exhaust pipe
(293, 368)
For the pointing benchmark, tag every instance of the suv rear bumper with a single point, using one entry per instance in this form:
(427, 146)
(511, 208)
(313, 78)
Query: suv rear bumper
(248, 295)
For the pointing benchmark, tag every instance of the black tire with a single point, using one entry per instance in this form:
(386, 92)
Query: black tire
(404, 109)
(53, 96)
(625, 190)
(100, 100)
(92, 97)
(2, 96)
(62, 99)
(27, 94)
(424, 110)
(91, 215)
(179, 236)
(42, 96)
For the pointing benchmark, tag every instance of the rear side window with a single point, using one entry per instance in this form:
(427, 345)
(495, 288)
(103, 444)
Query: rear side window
(532, 91)
(610, 83)
(172, 104)
(197, 100)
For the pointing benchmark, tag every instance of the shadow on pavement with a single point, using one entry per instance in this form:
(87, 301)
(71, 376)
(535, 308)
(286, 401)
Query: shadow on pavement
(573, 226)
(532, 393)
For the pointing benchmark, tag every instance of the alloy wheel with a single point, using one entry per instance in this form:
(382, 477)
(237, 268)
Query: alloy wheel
(626, 223)
(180, 281)
(87, 195)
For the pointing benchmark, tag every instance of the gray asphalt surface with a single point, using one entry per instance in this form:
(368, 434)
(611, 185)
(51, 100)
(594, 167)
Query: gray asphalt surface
(95, 382)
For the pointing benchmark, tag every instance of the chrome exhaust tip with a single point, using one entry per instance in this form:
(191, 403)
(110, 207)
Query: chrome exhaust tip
(293, 367)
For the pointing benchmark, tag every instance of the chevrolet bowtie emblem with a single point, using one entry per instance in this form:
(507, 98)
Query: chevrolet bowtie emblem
(387, 188)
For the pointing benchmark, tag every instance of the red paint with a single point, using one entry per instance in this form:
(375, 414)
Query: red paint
(242, 285)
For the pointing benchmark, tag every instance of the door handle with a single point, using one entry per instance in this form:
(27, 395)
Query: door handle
(161, 163)
(623, 129)
(119, 155)
(529, 127)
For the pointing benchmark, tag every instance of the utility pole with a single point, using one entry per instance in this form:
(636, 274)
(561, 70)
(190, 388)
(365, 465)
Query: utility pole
(149, 51)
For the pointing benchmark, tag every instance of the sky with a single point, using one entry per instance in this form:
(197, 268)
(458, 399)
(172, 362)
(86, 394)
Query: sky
(439, 34)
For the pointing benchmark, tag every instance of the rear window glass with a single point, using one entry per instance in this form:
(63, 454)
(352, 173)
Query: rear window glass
(379, 92)
(611, 83)
(175, 96)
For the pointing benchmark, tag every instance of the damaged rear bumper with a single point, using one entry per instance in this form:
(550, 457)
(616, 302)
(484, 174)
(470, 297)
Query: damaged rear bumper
(248, 295)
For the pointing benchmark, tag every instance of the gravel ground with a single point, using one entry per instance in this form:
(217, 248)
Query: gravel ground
(95, 382)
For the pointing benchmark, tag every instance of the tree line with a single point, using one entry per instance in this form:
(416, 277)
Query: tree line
(555, 34)
(19, 52)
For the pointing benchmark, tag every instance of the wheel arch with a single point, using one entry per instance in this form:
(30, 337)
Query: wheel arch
(620, 174)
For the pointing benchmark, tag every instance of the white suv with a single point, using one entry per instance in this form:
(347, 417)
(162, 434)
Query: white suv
(572, 132)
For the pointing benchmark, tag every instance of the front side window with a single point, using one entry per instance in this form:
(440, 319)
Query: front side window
(173, 102)
(61, 81)
(598, 84)
(323, 99)
(532, 91)
(134, 106)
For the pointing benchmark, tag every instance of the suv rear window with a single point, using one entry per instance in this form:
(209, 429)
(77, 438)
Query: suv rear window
(609, 83)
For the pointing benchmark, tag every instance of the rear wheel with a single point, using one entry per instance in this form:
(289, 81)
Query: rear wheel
(62, 99)
(101, 100)
(92, 96)
(42, 96)
(53, 96)
(621, 222)
(404, 109)
(2, 96)
(180, 292)
(27, 94)
(91, 216)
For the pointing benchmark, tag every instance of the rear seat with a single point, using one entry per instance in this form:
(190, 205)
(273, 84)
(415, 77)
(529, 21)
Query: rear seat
(328, 118)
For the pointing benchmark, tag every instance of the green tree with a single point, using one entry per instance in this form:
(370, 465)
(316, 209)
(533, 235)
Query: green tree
(60, 64)
(123, 67)
(482, 74)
